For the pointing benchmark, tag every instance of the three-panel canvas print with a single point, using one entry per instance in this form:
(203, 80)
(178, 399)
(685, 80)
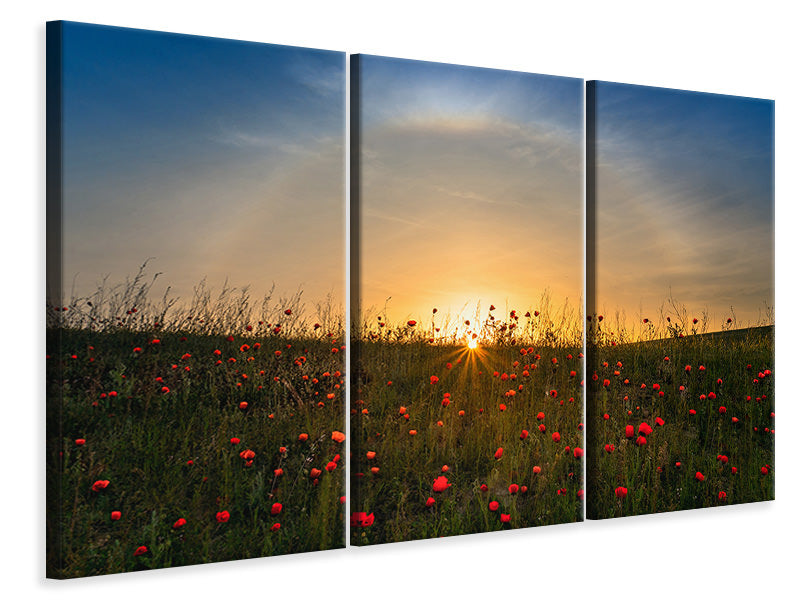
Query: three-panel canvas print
(558, 302)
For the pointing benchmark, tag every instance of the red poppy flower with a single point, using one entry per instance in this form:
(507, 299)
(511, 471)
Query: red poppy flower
(314, 473)
(699, 476)
(338, 436)
(537, 469)
(494, 505)
(523, 434)
(659, 421)
(542, 427)
(412, 323)
(179, 523)
(641, 440)
(722, 496)
(362, 519)
(621, 492)
(430, 502)
(116, 515)
(498, 454)
(434, 379)
(140, 550)
(100, 485)
(505, 518)
(80, 442)
(275, 527)
(556, 437)
(276, 508)
(223, 516)
(629, 431)
(645, 429)
(577, 452)
(440, 484)
(513, 488)
(609, 448)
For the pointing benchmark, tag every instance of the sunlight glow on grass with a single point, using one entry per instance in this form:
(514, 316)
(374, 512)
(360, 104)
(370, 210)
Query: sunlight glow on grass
(472, 344)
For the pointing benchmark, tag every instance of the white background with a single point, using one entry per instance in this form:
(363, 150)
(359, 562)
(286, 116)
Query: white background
(727, 47)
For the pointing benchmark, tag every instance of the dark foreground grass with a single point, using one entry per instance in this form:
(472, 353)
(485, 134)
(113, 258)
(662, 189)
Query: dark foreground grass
(194, 474)
(424, 411)
(714, 394)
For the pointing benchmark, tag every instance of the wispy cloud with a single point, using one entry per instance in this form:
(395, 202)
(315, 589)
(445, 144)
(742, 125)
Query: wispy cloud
(455, 213)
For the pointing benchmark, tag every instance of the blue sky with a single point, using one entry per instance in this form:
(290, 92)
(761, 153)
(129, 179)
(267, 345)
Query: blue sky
(219, 158)
(472, 188)
(685, 202)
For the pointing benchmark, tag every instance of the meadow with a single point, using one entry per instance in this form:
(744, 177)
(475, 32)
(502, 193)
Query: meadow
(196, 433)
(466, 427)
(678, 417)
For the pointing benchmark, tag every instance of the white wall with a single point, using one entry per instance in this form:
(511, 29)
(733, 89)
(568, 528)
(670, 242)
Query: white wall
(725, 47)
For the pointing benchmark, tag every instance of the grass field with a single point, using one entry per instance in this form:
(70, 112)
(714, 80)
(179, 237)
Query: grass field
(452, 440)
(680, 422)
(170, 447)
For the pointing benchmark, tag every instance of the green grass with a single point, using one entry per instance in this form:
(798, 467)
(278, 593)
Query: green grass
(142, 438)
(408, 465)
(743, 432)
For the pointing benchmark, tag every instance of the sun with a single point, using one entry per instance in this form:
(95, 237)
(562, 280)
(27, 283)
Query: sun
(472, 344)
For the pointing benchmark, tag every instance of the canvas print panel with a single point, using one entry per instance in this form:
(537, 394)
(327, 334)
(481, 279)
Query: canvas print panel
(680, 298)
(467, 323)
(195, 300)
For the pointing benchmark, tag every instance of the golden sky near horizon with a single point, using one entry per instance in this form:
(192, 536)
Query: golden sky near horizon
(471, 191)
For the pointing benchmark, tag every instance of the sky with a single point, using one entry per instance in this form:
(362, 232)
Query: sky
(219, 159)
(685, 203)
(472, 189)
